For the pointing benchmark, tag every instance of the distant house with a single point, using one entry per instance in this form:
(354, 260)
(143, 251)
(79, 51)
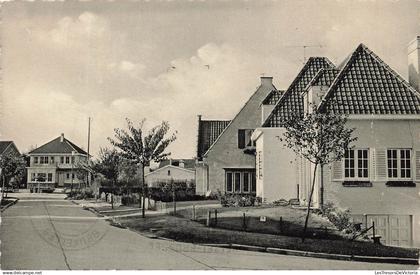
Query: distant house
(378, 179)
(56, 164)
(177, 170)
(225, 153)
(8, 148)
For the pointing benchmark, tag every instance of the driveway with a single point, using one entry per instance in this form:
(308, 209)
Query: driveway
(44, 232)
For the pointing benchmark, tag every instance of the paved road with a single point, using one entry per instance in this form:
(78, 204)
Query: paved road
(47, 232)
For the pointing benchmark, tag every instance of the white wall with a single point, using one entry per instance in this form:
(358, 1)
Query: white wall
(176, 173)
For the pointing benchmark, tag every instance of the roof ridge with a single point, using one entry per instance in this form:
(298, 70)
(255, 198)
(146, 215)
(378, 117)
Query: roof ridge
(295, 80)
(237, 114)
(44, 145)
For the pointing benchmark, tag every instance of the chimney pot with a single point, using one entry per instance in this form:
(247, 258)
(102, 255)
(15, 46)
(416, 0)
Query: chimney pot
(414, 63)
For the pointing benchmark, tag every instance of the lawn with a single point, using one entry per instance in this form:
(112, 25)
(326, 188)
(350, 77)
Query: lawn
(185, 230)
(278, 220)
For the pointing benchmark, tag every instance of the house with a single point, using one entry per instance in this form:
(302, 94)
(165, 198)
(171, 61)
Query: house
(225, 153)
(176, 170)
(56, 164)
(8, 148)
(378, 180)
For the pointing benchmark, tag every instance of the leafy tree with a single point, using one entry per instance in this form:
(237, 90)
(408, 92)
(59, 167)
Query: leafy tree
(108, 165)
(140, 148)
(11, 167)
(320, 138)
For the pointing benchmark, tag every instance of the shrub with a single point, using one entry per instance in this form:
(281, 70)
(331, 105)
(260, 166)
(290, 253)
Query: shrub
(341, 218)
(236, 200)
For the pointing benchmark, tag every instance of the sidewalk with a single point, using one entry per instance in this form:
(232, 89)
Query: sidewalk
(105, 209)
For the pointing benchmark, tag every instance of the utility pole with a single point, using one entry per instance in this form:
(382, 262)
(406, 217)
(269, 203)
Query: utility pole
(88, 155)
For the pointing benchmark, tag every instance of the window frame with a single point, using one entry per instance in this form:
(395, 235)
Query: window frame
(399, 160)
(244, 134)
(356, 158)
(231, 175)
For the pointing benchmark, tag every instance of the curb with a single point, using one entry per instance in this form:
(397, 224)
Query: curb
(281, 251)
(9, 204)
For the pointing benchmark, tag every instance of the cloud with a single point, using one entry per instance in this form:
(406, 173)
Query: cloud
(134, 70)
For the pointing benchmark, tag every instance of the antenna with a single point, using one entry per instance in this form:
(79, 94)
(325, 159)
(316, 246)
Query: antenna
(304, 49)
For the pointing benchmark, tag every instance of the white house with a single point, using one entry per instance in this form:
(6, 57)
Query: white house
(177, 170)
(379, 179)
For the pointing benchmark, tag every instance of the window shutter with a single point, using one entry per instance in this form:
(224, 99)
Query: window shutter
(381, 164)
(417, 165)
(241, 139)
(372, 164)
(337, 173)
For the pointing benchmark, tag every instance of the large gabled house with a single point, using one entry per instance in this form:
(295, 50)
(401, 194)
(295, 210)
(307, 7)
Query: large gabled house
(378, 179)
(8, 148)
(225, 153)
(56, 164)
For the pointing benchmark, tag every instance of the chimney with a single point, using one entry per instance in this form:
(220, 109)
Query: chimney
(62, 137)
(181, 163)
(414, 63)
(267, 81)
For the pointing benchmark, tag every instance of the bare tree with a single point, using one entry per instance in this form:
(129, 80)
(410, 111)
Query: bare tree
(320, 138)
(141, 149)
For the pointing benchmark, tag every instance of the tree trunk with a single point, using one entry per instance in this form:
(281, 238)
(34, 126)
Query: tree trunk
(143, 210)
(309, 204)
(112, 195)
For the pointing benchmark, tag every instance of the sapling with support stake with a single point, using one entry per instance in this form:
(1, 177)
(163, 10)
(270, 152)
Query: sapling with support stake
(320, 138)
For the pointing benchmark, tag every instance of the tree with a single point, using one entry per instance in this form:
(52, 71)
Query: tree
(141, 149)
(11, 167)
(108, 165)
(320, 138)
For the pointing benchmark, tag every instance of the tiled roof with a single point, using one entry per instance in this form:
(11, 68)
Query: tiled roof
(366, 85)
(292, 102)
(208, 132)
(324, 77)
(56, 146)
(4, 145)
(188, 163)
(273, 97)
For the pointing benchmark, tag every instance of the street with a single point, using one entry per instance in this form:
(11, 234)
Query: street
(46, 232)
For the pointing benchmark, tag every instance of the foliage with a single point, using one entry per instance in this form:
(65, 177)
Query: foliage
(140, 149)
(12, 167)
(108, 164)
(237, 200)
(164, 191)
(86, 193)
(341, 218)
(320, 138)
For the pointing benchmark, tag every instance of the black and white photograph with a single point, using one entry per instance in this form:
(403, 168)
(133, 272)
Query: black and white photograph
(144, 136)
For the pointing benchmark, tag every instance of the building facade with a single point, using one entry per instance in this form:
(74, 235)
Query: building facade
(377, 180)
(228, 164)
(56, 164)
(176, 170)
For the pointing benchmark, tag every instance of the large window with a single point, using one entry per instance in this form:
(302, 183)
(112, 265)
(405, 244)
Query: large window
(67, 160)
(399, 163)
(43, 160)
(356, 164)
(240, 182)
(35, 159)
(50, 177)
(244, 138)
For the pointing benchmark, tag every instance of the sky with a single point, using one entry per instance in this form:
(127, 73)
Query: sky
(65, 61)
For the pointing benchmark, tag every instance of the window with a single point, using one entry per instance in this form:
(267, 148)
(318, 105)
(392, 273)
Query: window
(49, 177)
(244, 138)
(33, 177)
(68, 175)
(43, 160)
(399, 163)
(61, 159)
(72, 175)
(67, 160)
(35, 159)
(240, 181)
(356, 163)
(72, 159)
(229, 182)
(41, 176)
(52, 159)
(246, 182)
(169, 172)
(237, 182)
